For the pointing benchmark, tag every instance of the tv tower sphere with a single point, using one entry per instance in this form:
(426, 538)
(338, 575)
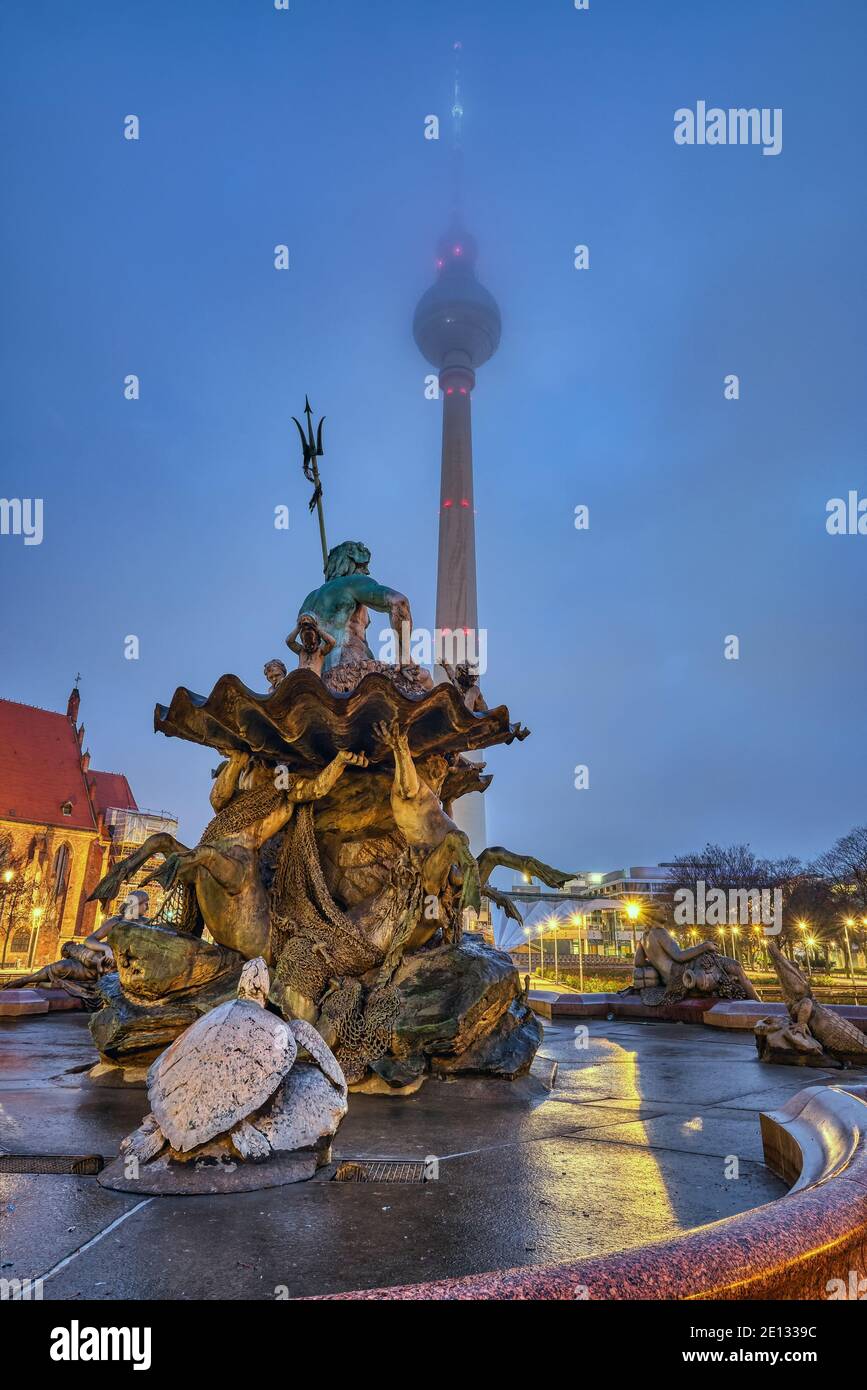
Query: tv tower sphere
(457, 321)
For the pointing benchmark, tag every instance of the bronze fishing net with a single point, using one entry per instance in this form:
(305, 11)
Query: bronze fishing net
(320, 952)
(362, 1024)
(302, 908)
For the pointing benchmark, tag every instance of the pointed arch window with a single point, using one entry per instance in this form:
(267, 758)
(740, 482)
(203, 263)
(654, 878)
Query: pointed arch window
(60, 879)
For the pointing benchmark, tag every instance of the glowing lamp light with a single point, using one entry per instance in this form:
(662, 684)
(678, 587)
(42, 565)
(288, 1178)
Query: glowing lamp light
(633, 911)
(465, 502)
(450, 390)
(37, 912)
(459, 250)
(8, 875)
(448, 502)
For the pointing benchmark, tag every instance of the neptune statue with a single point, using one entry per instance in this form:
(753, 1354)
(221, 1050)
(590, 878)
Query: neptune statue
(340, 608)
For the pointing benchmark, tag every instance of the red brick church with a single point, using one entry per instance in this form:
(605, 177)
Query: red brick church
(61, 826)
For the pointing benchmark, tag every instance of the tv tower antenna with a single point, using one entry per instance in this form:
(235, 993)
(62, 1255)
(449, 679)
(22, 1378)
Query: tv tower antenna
(457, 133)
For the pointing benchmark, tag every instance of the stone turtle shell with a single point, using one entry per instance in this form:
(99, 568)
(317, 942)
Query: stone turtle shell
(222, 1069)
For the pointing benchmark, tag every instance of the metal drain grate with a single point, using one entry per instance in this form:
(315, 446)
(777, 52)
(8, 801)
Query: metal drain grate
(82, 1165)
(379, 1170)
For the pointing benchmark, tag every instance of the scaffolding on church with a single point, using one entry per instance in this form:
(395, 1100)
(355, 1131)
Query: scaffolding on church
(128, 829)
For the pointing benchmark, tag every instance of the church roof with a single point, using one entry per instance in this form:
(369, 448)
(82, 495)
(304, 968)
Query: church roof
(111, 789)
(41, 772)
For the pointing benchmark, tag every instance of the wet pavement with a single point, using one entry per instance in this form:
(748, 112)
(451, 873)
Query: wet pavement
(633, 1143)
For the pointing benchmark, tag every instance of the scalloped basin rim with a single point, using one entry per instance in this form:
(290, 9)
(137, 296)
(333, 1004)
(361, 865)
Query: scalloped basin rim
(303, 721)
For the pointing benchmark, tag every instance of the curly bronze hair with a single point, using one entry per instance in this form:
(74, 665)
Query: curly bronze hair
(349, 557)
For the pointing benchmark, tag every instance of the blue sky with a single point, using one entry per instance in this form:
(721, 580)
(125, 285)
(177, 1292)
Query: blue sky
(305, 127)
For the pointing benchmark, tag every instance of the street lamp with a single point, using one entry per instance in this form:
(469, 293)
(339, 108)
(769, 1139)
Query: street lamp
(555, 926)
(529, 951)
(633, 912)
(802, 928)
(847, 923)
(578, 921)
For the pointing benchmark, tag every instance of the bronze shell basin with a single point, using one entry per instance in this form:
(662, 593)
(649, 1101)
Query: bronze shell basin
(302, 723)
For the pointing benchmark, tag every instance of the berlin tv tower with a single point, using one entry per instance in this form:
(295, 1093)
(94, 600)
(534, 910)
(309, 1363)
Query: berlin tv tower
(457, 328)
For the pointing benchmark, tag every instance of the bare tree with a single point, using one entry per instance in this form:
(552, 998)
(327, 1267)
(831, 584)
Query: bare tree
(844, 870)
(810, 899)
(845, 867)
(727, 867)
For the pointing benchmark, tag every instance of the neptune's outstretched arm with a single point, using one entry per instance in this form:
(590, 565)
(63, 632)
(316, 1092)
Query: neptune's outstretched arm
(335, 602)
(366, 590)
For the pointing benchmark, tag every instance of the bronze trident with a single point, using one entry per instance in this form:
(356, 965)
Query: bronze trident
(313, 450)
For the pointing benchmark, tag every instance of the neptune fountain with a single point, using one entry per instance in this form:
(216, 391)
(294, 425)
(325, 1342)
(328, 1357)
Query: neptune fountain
(333, 856)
